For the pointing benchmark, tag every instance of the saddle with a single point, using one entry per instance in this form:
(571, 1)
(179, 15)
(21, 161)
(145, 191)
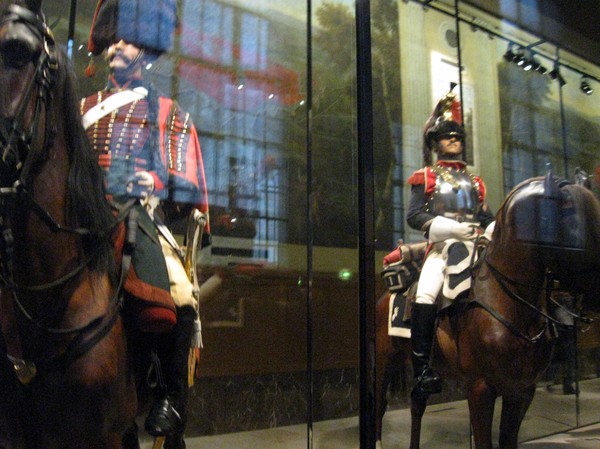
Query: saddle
(148, 304)
(402, 268)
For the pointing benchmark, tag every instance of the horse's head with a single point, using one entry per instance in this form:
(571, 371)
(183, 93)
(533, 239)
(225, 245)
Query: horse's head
(28, 63)
(560, 223)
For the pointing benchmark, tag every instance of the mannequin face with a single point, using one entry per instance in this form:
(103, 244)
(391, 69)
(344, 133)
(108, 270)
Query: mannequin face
(124, 60)
(449, 146)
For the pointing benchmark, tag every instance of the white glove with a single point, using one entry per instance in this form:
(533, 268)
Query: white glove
(443, 228)
(140, 185)
(487, 234)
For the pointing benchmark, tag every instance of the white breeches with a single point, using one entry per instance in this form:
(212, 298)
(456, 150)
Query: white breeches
(431, 279)
(181, 286)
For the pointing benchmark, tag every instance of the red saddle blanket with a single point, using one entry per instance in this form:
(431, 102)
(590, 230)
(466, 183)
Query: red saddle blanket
(150, 308)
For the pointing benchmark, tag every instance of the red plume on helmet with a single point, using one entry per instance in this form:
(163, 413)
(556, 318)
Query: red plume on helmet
(445, 120)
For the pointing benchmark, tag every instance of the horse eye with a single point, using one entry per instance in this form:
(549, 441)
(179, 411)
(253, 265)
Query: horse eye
(17, 53)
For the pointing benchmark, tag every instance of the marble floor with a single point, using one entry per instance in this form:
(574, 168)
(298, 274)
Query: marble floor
(550, 423)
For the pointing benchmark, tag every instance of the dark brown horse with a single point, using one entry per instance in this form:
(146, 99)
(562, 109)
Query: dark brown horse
(65, 380)
(499, 342)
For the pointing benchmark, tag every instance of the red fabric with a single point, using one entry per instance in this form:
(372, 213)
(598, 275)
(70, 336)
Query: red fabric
(392, 257)
(152, 308)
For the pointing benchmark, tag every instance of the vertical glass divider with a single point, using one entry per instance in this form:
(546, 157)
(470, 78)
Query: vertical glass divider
(366, 207)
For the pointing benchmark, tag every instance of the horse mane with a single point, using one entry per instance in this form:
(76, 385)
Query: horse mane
(87, 206)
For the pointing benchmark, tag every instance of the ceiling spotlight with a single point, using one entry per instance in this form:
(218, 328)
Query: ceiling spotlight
(555, 75)
(585, 86)
(509, 55)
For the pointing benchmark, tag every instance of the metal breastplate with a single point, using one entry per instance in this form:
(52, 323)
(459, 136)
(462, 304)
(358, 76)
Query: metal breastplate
(456, 195)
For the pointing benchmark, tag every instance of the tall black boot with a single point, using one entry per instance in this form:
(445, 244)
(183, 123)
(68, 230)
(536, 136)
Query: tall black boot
(422, 332)
(168, 415)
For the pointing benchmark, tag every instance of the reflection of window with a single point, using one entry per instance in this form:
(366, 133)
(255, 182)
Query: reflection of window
(240, 96)
(253, 42)
(530, 120)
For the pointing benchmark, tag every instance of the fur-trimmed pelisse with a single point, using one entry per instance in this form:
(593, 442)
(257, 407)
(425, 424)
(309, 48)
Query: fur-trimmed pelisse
(148, 24)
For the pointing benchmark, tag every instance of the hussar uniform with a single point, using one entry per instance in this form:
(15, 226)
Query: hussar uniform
(145, 141)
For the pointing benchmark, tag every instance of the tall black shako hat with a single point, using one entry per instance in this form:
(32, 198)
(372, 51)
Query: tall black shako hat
(445, 121)
(147, 24)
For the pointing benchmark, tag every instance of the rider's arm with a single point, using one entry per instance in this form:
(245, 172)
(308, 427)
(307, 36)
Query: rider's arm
(417, 216)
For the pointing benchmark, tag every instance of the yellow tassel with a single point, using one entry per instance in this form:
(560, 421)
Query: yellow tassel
(193, 365)
(159, 442)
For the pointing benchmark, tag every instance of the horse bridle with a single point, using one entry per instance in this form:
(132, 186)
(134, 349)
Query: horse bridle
(504, 282)
(17, 157)
(15, 137)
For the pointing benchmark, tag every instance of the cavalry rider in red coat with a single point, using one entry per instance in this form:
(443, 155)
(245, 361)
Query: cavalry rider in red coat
(148, 148)
(448, 204)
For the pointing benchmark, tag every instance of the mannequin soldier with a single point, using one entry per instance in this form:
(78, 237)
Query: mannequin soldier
(149, 148)
(448, 204)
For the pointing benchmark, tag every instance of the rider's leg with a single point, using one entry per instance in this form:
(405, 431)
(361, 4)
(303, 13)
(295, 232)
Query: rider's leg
(423, 318)
(168, 415)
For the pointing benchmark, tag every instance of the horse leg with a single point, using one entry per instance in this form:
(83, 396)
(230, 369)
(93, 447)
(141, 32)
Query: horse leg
(481, 399)
(418, 404)
(130, 439)
(383, 350)
(513, 412)
(382, 370)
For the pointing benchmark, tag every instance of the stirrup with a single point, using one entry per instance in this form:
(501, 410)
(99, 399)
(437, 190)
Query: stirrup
(163, 419)
(428, 382)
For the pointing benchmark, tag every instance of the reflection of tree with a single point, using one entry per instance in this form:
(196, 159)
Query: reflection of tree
(530, 125)
(532, 128)
(334, 125)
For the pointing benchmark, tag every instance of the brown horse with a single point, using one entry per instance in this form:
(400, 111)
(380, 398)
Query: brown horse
(65, 380)
(499, 342)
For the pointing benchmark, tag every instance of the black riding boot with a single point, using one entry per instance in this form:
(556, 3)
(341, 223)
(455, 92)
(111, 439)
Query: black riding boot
(422, 331)
(168, 415)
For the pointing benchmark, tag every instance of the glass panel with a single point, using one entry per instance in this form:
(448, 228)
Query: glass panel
(281, 337)
(408, 82)
(239, 70)
(582, 130)
(531, 144)
(334, 209)
(514, 125)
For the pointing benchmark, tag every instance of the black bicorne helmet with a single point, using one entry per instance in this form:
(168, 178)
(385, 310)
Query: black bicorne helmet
(445, 121)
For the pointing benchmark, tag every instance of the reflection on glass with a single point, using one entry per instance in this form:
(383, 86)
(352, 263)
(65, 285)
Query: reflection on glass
(239, 69)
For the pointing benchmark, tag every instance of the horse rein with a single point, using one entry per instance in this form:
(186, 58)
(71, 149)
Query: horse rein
(17, 144)
(503, 282)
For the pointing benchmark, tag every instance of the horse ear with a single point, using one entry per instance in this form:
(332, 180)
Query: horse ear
(551, 186)
(34, 5)
(581, 178)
